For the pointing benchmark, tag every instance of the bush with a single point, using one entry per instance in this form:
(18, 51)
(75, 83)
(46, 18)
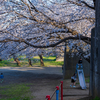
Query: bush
(96, 98)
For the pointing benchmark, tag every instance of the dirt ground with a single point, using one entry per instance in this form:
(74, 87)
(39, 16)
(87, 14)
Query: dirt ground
(44, 81)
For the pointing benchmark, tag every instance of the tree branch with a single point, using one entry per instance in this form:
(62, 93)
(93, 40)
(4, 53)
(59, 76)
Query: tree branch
(88, 5)
(80, 4)
(51, 45)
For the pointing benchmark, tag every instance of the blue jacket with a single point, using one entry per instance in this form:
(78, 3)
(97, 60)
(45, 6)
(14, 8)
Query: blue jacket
(77, 67)
(1, 76)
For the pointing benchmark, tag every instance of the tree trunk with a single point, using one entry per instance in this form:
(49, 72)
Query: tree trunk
(96, 53)
(17, 61)
(0, 59)
(41, 60)
(30, 63)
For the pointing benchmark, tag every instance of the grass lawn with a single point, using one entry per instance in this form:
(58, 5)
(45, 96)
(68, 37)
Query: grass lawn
(87, 80)
(51, 60)
(15, 92)
(10, 63)
(96, 98)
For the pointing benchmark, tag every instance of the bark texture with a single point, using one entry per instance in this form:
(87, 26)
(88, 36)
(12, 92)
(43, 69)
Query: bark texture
(30, 63)
(17, 61)
(41, 60)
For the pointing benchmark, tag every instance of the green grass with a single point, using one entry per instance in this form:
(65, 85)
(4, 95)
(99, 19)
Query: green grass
(96, 98)
(7, 63)
(15, 92)
(51, 60)
(87, 80)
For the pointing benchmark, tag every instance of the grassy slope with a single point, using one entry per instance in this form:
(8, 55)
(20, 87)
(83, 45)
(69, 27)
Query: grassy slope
(35, 61)
(15, 92)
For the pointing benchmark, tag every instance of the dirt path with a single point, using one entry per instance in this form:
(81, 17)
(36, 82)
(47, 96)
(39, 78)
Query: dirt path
(44, 80)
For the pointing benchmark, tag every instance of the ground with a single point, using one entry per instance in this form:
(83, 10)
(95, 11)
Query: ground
(43, 81)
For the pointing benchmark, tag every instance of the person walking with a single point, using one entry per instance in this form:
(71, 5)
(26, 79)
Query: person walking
(1, 77)
(73, 80)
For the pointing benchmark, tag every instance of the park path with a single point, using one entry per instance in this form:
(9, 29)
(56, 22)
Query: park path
(36, 70)
(70, 93)
(45, 80)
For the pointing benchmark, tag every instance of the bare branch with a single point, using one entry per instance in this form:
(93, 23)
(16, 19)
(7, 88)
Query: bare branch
(81, 52)
(83, 18)
(33, 7)
(87, 5)
(78, 4)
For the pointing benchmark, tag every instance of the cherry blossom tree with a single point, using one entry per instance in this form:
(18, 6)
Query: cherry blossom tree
(30, 26)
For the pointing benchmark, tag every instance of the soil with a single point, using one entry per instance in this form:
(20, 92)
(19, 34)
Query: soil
(44, 81)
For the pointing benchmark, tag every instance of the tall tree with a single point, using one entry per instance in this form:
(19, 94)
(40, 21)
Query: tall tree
(44, 24)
